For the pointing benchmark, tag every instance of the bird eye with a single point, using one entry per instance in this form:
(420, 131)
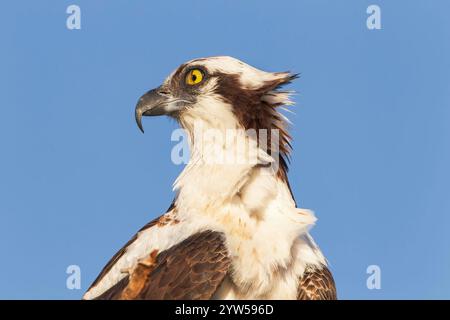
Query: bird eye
(194, 76)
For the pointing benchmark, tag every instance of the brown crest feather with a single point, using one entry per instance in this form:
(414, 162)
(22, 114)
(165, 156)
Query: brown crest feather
(253, 112)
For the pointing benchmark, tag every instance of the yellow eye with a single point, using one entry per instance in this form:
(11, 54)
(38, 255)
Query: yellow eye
(194, 76)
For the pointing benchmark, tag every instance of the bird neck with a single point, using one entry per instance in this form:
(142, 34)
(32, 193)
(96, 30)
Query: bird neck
(223, 159)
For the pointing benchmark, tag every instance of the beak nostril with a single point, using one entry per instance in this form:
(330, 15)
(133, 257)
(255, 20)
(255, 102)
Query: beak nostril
(163, 92)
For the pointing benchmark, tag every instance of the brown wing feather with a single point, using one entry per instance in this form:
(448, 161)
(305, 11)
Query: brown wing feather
(317, 284)
(192, 269)
(122, 251)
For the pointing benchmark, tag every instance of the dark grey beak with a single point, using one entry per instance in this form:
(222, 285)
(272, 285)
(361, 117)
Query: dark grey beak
(153, 103)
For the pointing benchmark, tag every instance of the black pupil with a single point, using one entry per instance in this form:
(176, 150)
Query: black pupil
(194, 77)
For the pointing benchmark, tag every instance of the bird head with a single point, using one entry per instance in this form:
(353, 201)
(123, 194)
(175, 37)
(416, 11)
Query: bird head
(224, 93)
(220, 90)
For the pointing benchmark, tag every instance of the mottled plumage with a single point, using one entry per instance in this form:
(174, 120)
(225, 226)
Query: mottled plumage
(192, 269)
(317, 284)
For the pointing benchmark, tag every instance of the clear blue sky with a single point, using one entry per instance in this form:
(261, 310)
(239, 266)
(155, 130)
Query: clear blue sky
(371, 131)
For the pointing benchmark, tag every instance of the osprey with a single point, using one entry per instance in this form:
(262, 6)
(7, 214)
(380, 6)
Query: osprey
(233, 230)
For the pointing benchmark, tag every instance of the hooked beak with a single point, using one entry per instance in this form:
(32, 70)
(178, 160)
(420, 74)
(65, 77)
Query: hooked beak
(158, 102)
(152, 103)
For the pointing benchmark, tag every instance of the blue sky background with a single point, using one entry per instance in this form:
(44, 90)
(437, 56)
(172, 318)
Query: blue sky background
(371, 131)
